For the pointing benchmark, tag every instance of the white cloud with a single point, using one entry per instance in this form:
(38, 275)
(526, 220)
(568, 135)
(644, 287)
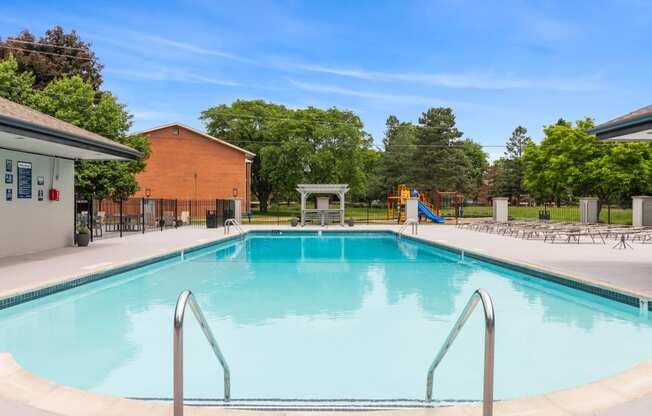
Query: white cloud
(464, 80)
(166, 74)
(370, 95)
(193, 48)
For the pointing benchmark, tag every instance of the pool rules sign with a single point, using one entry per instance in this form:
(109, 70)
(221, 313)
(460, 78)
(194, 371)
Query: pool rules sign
(24, 186)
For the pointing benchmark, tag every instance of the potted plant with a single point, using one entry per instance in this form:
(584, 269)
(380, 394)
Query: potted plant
(351, 222)
(83, 236)
(294, 221)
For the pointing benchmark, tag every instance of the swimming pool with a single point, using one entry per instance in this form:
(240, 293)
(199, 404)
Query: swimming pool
(331, 316)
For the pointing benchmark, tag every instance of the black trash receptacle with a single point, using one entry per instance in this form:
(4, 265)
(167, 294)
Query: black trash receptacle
(211, 218)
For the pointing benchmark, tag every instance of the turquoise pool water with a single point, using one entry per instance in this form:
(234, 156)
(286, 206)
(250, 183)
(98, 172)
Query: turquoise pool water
(342, 315)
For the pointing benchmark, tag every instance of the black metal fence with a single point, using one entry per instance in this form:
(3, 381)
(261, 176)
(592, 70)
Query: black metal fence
(107, 218)
(570, 213)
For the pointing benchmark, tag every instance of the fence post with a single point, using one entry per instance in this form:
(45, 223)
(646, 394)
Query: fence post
(367, 214)
(608, 213)
(176, 213)
(74, 221)
(142, 215)
(190, 212)
(121, 217)
(91, 217)
(160, 219)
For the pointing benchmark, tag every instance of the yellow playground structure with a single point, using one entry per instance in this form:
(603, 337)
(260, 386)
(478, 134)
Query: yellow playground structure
(428, 210)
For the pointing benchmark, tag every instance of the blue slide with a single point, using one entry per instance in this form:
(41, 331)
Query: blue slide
(423, 210)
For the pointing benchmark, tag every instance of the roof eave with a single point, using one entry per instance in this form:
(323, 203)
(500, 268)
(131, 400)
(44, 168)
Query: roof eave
(57, 136)
(632, 122)
(201, 133)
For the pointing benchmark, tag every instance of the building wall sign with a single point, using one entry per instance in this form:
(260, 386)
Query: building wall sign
(24, 188)
(9, 194)
(8, 165)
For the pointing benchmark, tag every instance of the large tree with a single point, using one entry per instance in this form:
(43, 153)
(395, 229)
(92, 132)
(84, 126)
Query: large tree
(16, 86)
(75, 101)
(477, 169)
(619, 171)
(395, 166)
(440, 162)
(52, 56)
(512, 171)
(556, 168)
(291, 146)
(571, 163)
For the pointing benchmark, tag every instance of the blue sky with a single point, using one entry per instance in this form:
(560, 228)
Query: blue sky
(498, 64)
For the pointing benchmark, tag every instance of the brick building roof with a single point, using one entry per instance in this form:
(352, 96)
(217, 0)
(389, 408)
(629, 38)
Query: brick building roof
(248, 154)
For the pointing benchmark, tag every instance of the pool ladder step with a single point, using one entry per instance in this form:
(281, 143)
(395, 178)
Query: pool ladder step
(479, 296)
(316, 404)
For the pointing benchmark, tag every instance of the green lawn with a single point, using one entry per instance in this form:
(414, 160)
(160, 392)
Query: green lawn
(281, 214)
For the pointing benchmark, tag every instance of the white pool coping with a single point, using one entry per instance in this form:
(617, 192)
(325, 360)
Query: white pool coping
(26, 389)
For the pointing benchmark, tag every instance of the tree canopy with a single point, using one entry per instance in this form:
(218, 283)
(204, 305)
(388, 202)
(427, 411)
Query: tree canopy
(442, 160)
(293, 146)
(570, 163)
(396, 161)
(53, 55)
(511, 179)
(75, 99)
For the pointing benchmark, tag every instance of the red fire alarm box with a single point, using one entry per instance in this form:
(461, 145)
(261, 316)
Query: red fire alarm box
(53, 194)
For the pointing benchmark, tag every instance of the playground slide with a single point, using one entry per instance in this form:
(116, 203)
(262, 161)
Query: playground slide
(423, 210)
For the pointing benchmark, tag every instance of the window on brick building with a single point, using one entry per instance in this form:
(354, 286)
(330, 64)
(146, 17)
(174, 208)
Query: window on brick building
(175, 131)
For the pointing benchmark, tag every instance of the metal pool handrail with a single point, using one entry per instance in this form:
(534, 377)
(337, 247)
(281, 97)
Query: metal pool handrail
(489, 342)
(408, 222)
(232, 222)
(186, 298)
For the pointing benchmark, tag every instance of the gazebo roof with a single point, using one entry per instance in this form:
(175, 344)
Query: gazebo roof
(330, 188)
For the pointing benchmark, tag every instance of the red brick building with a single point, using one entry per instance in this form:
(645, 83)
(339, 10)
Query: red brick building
(188, 164)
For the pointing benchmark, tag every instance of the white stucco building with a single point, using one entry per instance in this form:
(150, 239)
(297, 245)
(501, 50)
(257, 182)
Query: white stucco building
(632, 127)
(37, 157)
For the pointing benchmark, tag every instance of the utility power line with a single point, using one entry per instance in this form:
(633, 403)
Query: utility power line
(45, 53)
(46, 44)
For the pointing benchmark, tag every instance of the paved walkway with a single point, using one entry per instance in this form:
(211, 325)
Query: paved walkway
(627, 269)
(37, 269)
(630, 269)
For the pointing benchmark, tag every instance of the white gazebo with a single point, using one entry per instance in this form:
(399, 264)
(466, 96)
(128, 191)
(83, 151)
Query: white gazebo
(322, 211)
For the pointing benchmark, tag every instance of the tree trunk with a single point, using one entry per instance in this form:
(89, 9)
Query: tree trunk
(263, 199)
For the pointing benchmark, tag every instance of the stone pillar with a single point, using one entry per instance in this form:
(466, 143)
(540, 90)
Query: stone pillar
(303, 208)
(412, 209)
(237, 214)
(589, 210)
(641, 211)
(500, 209)
(342, 209)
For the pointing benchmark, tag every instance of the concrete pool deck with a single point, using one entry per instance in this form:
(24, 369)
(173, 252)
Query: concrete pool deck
(629, 393)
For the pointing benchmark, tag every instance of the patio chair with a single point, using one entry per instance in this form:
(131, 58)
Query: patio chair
(185, 217)
(98, 224)
(169, 219)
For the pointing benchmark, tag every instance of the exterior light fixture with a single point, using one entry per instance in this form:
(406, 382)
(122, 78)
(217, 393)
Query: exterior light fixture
(235, 192)
(148, 192)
